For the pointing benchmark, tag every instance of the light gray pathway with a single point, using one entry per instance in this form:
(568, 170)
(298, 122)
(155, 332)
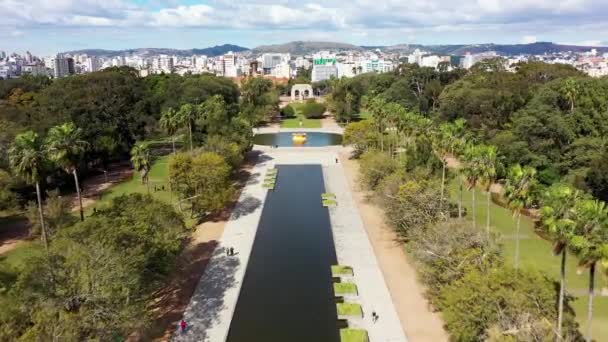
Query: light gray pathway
(354, 249)
(210, 311)
(212, 306)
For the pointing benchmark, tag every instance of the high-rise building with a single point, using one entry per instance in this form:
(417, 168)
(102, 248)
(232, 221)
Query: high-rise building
(92, 64)
(62, 67)
(228, 63)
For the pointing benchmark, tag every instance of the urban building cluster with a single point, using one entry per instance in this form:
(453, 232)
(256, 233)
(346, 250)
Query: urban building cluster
(324, 64)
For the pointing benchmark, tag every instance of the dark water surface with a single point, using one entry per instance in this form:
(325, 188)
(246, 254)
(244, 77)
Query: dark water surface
(287, 292)
(285, 139)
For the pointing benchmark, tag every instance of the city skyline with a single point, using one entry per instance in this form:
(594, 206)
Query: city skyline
(46, 27)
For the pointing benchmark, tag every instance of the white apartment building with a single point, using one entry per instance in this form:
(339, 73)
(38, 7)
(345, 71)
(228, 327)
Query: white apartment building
(34, 70)
(270, 60)
(471, 59)
(282, 70)
(92, 64)
(228, 65)
(302, 62)
(433, 61)
(324, 72)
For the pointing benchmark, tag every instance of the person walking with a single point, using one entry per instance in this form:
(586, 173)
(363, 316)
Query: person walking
(182, 326)
(231, 251)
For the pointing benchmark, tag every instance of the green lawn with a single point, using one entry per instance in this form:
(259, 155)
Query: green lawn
(338, 270)
(345, 288)
(17, 256)
(353, 335)
(157, 177)
(536, 253)
(364, 116)
(295, 122)
(349, 309)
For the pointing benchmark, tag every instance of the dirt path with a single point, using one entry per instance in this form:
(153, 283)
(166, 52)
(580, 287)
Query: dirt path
(417, 318)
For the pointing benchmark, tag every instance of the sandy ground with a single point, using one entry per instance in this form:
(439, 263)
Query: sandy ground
(419, 321)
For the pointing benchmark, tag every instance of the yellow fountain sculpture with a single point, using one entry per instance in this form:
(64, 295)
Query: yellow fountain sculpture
(298, 138)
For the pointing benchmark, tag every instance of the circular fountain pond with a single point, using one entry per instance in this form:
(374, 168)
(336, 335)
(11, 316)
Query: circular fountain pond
(297, 139)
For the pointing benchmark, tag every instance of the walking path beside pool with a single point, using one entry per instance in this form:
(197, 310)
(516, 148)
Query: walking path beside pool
(210, 311)
(354, 249)
(212, 306)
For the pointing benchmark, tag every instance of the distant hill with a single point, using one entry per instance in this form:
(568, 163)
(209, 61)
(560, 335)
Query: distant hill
(304, 48)
(538, 48)
(210, 51)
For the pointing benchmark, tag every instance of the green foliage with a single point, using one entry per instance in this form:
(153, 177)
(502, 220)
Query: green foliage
(259, 101)
(360, 134)
(288, 112)
(203, 180)
(104, 269)
(57, 214)
(8, 199)
(312, 110)
(499, 298)
(231, 151)
(448, 251)
(375, 166)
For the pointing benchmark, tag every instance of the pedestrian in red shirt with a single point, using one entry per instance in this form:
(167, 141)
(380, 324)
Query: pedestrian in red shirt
(182, 326)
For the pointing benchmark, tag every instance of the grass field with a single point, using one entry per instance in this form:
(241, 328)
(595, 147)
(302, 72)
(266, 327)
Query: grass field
(295, 122)
(353, 335)
(536, 253)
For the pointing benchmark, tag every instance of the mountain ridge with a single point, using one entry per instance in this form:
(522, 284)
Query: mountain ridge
(209, 51)
(309, 47)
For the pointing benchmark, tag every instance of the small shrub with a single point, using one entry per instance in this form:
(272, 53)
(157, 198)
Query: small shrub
(288, 112)
(313, 110)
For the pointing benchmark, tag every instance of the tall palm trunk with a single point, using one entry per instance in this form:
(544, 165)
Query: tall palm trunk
(517, 240)
(590, 302)
(488, 202)
(190, 130)
(562, 290)
(75, 173)
(45, 240)
(460, 200)
(173, 143)
(443, 183)
(474, 208)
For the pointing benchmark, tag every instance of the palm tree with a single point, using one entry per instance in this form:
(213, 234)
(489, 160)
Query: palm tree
(518, 191)
(27, 160)
(488, 177)
(170, 122)
(558, 220)
(187, 114)
(65, 148)
(570, 91)
(473, 172)
(140, 157)
(377, 107)
(590, 243)
(441, 141)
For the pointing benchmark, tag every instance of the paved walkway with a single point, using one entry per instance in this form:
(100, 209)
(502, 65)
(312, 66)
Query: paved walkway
(354, 249)
(211, 308)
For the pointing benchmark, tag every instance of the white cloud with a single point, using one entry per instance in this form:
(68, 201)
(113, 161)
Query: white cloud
(528, 39)
(520, 17)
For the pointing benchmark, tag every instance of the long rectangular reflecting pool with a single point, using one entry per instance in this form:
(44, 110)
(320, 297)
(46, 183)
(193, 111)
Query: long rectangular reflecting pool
(287, 293)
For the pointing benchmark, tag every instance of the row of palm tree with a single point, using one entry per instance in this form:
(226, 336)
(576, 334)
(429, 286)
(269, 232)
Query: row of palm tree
(185, 117)
(572, 220)
(30, 156)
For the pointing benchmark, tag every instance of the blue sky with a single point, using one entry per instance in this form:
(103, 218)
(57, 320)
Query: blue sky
(50, 26)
